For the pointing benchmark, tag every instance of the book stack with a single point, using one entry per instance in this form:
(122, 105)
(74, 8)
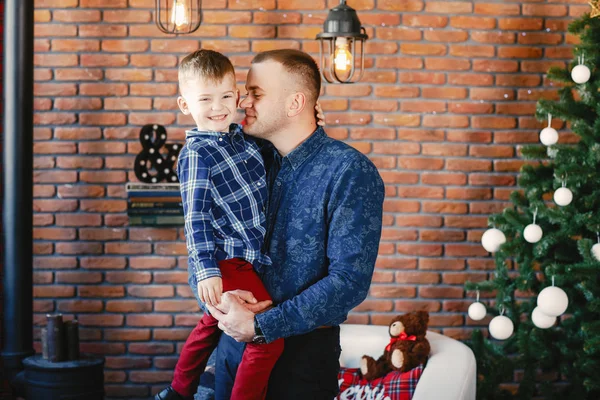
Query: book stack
(154, 204)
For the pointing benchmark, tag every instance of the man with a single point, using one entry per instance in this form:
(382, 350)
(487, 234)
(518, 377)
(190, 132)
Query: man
(323, 228)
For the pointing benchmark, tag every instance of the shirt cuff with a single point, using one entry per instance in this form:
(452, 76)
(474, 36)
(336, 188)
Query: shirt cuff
(272, 324)
(206, 269)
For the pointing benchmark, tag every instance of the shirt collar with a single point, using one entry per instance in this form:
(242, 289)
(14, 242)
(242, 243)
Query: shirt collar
(307, 148)
(234, 129)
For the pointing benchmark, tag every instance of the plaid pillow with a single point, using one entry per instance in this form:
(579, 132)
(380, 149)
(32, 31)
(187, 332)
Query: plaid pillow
(393, 386)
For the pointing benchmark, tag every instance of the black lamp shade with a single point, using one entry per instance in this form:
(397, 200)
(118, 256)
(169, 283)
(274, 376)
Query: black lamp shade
(178, 16)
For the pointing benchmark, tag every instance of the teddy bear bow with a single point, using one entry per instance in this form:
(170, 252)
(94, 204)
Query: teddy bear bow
(403, 336)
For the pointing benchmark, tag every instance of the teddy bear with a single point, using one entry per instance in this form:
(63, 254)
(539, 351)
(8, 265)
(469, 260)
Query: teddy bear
(407, 349)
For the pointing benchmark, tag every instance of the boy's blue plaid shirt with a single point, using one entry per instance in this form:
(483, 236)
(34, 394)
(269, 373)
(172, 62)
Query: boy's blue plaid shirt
(223, 190)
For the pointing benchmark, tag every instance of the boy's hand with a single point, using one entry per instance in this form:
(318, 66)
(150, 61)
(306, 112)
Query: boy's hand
(319, 114)
(210, 290)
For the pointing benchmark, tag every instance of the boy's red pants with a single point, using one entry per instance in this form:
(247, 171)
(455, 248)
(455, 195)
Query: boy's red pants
(258, 360)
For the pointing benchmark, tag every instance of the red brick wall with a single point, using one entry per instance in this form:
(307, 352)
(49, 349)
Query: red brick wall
(448, 97)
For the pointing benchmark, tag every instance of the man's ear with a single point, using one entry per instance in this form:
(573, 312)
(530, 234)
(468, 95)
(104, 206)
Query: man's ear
(183, 105)
(296, 104)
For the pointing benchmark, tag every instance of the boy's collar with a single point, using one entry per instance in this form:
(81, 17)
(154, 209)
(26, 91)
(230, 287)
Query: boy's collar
(234, 129)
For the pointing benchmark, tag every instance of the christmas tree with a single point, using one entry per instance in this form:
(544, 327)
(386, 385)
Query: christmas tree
(547, 252)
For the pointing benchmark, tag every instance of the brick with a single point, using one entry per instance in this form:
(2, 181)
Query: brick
(127, 362)
(54, 262)
(102, 119)
(102, 348)
(128, 306)
(520, 24)
(128, 277)
(104, 60)
(544, 10)
(468, 50)
(464, 250)
(417, 305)
(43, 306)
(445, 64)
(421, 135)
(54, 176)
(100, 320)
(101, 291)
(448, 7)
(444, 179)
(421, 192)
(78, 306)
(54, 147)
(419, 249)
(403, 206)
(446, 36)
(418, 163)
(78, 74)
(374, 305)
(103, 3)
(399, 62)
(383, 291)
(468, 22)
(41, 45)
(76, 15)
(151, 291)
(402, 33)
(229, 46)
(460, 278)
(422, 49)
(127, 335)
(440, 292)
(152, 263)
(428, 21)
(53, 30)
(101, 234)
(151, 376)
(40, 74)
(42, 277)
(442, 121)
(444, 207)
(153, 60)
(397, 119)
(396, 92)
(53, 291)
(102, 30)
(467, 79)
(41, 16)
(75, 45)
(519, 52)
(148, 320)
(54, 205)
(55, 60)
(404, 277)
(394, 5)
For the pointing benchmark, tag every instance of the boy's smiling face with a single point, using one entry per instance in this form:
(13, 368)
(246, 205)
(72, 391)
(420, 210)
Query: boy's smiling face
(211, 104)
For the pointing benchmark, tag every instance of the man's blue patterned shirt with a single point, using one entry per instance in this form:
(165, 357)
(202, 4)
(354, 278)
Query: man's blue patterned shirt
(324, 216)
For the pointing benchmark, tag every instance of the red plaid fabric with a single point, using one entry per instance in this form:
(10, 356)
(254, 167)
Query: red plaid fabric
(393, 386)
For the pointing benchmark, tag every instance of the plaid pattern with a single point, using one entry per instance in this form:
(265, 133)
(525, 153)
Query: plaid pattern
(223, 191)
(393, 386)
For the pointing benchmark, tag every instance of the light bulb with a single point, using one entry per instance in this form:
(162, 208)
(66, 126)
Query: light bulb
(342, 57)
(179, 15)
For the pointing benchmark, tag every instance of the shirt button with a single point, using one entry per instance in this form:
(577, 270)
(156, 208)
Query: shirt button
(278, 183)
(220, 139)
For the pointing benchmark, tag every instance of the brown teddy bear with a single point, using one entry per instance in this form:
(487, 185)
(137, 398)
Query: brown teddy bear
(407, 349)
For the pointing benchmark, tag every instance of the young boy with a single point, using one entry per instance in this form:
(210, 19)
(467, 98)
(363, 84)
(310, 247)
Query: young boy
(223, 190)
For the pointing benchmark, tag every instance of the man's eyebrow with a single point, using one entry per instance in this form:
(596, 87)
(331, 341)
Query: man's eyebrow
(254, 87)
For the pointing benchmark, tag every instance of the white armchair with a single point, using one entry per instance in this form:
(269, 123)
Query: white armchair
(450, 373)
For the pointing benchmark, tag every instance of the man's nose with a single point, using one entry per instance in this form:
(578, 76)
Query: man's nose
(244, 103)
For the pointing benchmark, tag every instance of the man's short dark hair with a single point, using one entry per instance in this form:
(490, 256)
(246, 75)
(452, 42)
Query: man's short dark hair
(299, 64)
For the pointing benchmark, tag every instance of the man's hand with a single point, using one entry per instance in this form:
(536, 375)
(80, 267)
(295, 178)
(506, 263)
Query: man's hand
(236, 314)
(319, 115)
(210, 290)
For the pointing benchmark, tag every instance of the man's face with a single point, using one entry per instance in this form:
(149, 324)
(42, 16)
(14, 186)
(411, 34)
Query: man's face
(265, 103)
(212, 105)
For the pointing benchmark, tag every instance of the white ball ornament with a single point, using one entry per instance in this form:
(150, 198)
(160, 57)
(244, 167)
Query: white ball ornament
(542, 320)
(477, 311)
(563, 196)
(548, 136)
(533, 233)
(581, 74)
(596, 251)
(501, 327)
(492, 239)
(552, 301)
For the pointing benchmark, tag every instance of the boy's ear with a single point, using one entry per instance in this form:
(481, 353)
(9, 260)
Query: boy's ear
(183, 105)
(296, 104)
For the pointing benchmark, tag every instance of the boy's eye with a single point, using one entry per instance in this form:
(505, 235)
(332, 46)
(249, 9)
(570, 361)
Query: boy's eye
(204, 99)
(227, 96)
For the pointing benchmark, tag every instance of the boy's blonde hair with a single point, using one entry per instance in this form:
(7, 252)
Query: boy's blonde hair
(207, 64)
